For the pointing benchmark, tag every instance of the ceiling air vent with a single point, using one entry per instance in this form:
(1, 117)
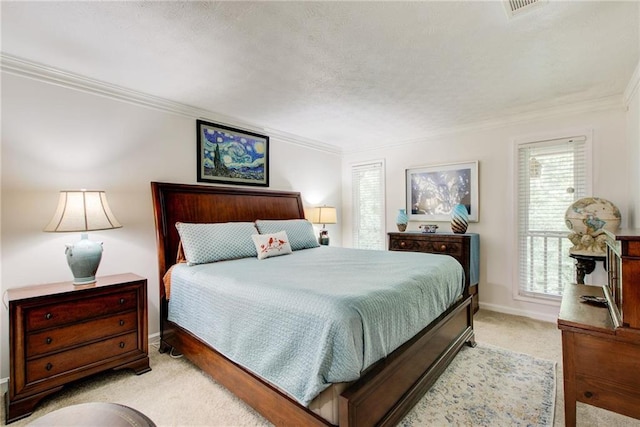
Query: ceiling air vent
(518, 7)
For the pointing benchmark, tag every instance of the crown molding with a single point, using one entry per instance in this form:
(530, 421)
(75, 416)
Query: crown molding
(21, 67)
(24, 68)
(600, 104)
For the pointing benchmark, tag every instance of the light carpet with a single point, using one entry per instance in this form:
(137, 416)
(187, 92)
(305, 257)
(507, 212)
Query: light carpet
(483, 386)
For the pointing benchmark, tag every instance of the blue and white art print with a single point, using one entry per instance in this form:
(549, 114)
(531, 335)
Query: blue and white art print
(232, 156)
(433, 191)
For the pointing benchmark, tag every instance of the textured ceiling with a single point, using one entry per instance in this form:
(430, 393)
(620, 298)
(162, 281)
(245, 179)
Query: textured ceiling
(349, 74)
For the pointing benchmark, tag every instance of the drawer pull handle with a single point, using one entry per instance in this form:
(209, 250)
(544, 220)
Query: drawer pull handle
(588, 394)
(121, 300)
(121, 322)
(403, 244)
(121, 344)
(48, 340)
(49, 366)
(48, 316)
(443, 248)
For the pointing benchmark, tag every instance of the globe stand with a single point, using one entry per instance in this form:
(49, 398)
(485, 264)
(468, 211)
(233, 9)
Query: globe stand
(585, 264)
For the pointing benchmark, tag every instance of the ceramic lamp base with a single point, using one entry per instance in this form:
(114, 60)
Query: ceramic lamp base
(324, 237)
(84, 258)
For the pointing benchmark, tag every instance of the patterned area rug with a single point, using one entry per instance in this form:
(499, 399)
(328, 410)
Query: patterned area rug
(488, 386)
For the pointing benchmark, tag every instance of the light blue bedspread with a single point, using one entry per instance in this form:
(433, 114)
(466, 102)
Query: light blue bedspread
(317, 316)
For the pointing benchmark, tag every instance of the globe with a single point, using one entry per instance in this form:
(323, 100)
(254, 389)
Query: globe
(587, 219)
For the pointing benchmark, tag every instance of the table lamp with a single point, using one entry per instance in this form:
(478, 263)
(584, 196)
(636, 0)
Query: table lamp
(82, 210)
(324, 215)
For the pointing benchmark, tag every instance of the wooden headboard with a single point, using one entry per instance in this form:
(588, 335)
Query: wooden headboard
(207, 203)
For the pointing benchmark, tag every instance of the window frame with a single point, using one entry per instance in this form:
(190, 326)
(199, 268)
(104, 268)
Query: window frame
(587, 134)
(354, 220)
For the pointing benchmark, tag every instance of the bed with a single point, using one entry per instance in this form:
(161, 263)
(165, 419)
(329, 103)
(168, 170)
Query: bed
(382, 395)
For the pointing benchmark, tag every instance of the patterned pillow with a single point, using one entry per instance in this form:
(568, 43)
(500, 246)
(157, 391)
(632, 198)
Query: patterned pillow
(269, 245)
(203, 243)
(299, 231)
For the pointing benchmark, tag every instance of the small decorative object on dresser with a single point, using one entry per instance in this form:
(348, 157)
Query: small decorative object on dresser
(463, 247)
(459, 219)
(428, 228)
(61, 333)
(402, 219)
(588, 218)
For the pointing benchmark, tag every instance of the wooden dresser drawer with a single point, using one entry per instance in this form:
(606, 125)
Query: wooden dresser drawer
(49, 316)
(59, 363)
(608, 393)
(596, 357)
(47, 341)
(431, 246)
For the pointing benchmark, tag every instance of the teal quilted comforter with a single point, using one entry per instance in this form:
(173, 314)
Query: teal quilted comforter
(317, 316)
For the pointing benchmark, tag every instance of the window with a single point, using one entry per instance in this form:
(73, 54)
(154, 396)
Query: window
(551, 176)
(368, 205)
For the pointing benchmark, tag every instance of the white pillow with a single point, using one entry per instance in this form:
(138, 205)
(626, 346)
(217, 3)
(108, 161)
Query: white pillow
(300, 231)
(204, 243)
(268, 245)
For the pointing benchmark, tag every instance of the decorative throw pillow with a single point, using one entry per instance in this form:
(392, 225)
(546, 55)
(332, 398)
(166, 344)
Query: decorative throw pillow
(299, 231)
(269, 245)
(204, 243)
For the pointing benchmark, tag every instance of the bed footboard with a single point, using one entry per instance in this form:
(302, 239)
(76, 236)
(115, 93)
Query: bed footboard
(384, 395)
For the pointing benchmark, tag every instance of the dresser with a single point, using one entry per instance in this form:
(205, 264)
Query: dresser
(60, 333)
(463, 247)
(601, 344)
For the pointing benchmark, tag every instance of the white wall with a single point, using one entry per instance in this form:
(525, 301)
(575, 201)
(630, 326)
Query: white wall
(55, 138)
(493, 148)
(632, 99)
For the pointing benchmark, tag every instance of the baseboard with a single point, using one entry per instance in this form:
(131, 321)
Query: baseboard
(524, 313)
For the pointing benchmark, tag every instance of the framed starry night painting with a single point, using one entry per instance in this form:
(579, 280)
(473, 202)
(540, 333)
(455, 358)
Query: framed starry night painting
(232, 156)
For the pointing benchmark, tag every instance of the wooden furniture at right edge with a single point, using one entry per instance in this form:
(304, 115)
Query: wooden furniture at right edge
(601, 345)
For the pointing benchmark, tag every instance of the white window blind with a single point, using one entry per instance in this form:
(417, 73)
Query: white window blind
(368, 205)
(551, 176)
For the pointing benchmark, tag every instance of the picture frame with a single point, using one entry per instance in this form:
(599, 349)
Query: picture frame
(232, 156)
(433, 191)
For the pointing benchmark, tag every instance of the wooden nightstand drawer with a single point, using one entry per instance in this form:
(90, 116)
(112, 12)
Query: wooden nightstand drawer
(52, 340)
(52, 315)
(66, 361)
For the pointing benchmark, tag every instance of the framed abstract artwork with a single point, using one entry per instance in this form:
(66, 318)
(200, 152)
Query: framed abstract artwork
(433, 191)
(232, 156)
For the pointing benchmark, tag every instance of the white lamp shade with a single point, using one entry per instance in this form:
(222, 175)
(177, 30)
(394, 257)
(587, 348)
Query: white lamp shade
(82, 211)
(324, 215)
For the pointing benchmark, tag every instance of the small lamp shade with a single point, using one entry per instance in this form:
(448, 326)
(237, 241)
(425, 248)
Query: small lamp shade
(83, 211)
(324, 215)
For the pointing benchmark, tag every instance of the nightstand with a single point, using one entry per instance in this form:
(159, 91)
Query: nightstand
(60, 333)
(463, 247)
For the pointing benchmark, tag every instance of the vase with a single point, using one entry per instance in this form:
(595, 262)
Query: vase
(459, 219)
(402, 219)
